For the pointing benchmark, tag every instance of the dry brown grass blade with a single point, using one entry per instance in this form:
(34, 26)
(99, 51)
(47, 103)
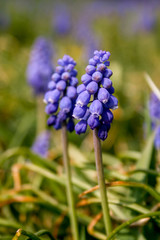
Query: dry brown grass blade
(20, 199)
(57, 224)
(16, 175)
(91, 226)
(85, 202)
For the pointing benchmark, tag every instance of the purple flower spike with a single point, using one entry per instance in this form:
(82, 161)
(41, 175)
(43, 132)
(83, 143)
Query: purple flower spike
(61, 99)
(81, 127)
(83, 98)
(103, 95)
(96, 82)
(40, 66)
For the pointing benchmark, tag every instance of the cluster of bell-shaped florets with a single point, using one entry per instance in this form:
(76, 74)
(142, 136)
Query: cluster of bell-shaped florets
(154, 111)
(40, 66)
(95, 97)
(62, 94)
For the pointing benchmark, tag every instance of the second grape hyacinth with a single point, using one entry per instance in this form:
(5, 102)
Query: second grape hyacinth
(95, 97)
(61, 97)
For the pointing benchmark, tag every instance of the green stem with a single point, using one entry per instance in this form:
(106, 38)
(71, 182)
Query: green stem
(69, 183)
(101, 182)
(127, 223)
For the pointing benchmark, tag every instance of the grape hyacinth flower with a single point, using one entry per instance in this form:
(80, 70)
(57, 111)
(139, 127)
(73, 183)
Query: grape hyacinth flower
(60, 100)
(40, 67)
(41, 144)
(154, 111)
(95, 95)
(62, 94)
(93, 107)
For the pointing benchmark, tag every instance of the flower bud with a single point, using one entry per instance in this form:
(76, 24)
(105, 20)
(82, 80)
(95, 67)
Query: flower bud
(93, 121)
(81, 127)
(51, 120)
(103, 95)
(65, 104)
(97, 76)
(96, 108)
(81, 88)
(79, 112)
(90, 69)
(51, 85)
(86, 79)
(102, 132)
(51, 108)
(71, 92)
(92, 87)
(61, 85)
(83, 98)
(55, 77)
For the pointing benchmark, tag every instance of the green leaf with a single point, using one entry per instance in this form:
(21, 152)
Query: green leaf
(145, 161)
(131, 155)
(152, 85)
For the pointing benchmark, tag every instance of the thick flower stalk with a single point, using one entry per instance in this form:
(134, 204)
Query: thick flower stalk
(93, 107)
(40, 66)
(61, 97)
(154, 111)
(95, 97)
(60, 100)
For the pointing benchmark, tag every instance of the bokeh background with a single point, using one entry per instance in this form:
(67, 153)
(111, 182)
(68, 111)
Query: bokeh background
(128, 29)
